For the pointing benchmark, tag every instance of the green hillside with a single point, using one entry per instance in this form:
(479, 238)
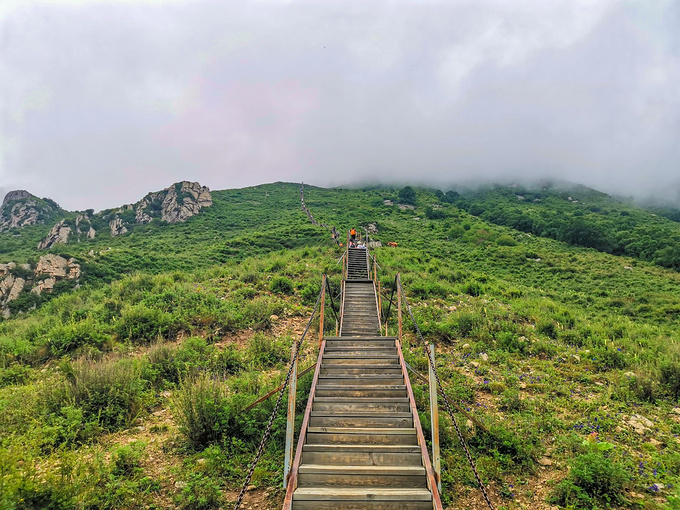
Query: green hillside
(555, 322)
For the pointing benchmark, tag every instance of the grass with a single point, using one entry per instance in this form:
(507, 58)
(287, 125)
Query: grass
(554, 356)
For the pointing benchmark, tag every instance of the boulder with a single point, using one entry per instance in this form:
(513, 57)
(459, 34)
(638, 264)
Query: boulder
(117, 227)
(52, 265)
(175, 204)
(59, 234)
(20, 209)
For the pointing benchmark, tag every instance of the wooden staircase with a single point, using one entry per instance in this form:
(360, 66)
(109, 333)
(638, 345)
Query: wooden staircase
(361, 445)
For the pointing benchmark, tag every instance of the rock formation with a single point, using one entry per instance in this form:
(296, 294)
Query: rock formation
(117, 227)
(58, 235)
(175, 204)
(49, 270)
(21, 209)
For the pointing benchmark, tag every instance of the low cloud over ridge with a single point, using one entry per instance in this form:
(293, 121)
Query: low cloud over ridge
(102, 101)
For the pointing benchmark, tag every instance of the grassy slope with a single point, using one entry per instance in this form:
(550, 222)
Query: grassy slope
(543, 352)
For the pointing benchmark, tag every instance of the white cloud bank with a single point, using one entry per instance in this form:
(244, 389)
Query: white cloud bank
(102, 101)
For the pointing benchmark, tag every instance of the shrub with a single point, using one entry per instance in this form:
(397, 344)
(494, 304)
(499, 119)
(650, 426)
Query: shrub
(473, 289)
(127, 459)
(407, 195)
(455, 232)
(67, 337)
(281, 285)
(112, 393)
(506, 446)
(506, 240)
(547, 328)
(16, 373)
(264, 351)
(141, 324)
(670, 378)
(201, 410)
(200, 493)
(593, 479)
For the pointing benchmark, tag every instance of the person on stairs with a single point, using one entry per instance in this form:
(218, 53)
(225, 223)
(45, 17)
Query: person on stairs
(353, 234)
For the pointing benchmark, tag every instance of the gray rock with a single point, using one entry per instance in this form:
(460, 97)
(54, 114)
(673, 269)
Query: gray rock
(19, 194)
(117, 227)
(52, 265)
(175, 204)
(59, 234)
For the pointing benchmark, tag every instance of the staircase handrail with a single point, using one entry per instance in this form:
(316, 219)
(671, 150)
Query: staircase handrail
(445, 398)
(268, 429)
(291, 483)
(431, 479)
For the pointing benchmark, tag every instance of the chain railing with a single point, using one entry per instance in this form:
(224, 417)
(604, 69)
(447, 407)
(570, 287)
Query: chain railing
(268, 429)
(445, 398)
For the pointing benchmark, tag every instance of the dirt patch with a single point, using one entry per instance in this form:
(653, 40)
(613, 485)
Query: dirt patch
(257, 499)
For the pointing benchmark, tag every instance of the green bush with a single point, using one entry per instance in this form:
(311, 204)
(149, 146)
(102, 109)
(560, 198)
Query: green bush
(594, 479)
(202, 410)
(73, 335)
(506, 240)
(265, 351)
(127, 459)
(200, 493)
(281, 285)
(110, 392)
(670, 378)
(141, 324)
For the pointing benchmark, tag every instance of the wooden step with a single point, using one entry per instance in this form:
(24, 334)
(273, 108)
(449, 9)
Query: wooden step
(367, 380)
(361, 370)
(357, 436)
(367, 360)
(320, 475)
(361, 420)
(354, 400)
(354, 407)
(361, 498)
(391, 338)
(348, 391)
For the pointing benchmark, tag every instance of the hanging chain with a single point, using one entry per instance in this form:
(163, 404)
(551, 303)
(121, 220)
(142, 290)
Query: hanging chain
(446, 401)
(268, 430)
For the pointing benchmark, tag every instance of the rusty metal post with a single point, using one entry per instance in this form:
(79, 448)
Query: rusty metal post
(322, 309)
(399, 306)
(434, 419)
(290, 423)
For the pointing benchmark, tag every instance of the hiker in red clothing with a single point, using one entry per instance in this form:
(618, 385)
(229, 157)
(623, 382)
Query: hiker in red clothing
(353, 234)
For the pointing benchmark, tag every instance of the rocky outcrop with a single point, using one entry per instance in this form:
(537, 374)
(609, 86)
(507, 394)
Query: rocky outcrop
(51, 269)
(61, 232)
(84, 227)
(21, 209)
(175, 204)
(58, 235)
(117, 227)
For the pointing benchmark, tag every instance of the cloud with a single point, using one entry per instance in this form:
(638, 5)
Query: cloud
(107, 100)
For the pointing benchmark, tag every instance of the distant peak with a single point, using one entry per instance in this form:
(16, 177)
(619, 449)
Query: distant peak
(19, 194)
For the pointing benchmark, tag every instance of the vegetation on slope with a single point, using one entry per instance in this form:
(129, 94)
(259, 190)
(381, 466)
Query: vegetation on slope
(579, 216)
(129, 392)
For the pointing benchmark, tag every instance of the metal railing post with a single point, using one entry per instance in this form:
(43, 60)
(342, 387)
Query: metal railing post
(434, 420)
(399, 306)
(322, 309)
(290, 423)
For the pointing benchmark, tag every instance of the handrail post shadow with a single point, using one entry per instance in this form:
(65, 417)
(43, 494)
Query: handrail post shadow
(290, 423)
(434, 419)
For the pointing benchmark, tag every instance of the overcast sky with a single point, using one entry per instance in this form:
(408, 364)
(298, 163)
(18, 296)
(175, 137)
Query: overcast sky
(102, 101)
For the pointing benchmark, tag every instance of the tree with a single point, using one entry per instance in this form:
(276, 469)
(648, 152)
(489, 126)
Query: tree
(407, 196)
